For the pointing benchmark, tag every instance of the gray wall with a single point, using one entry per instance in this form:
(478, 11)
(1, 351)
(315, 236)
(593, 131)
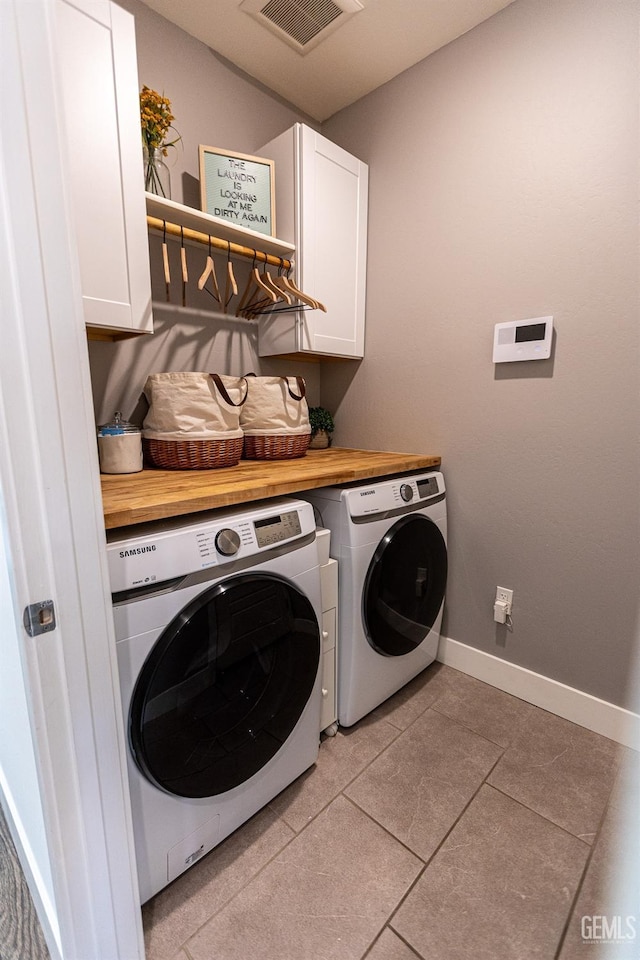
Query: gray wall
(504, 185)
(217, 105)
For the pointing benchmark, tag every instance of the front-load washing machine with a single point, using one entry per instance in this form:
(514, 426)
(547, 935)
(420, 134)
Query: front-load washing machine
(218, 635)
(390, 540)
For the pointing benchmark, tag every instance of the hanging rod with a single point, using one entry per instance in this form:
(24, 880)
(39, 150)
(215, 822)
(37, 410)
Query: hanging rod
(228, 246)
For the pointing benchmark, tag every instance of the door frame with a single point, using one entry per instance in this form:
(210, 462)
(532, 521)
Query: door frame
(53, 525)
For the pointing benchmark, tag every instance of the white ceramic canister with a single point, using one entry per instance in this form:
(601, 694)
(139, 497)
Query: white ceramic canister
(120, 446)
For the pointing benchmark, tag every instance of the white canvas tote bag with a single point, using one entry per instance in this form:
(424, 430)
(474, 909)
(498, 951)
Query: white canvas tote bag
(275, 405)
(193, 406)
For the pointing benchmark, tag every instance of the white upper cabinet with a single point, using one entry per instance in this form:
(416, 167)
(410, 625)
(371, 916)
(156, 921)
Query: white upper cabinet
(321, 207)
(97, 61)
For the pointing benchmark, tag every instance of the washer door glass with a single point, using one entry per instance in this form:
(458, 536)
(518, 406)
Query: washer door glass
(404, 587)
(224, 685)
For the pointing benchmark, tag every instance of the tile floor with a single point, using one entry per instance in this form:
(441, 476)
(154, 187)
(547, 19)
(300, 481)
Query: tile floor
(454, 823)
(21, 936)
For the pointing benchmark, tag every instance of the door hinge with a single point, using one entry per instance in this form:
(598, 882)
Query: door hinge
(39, 618)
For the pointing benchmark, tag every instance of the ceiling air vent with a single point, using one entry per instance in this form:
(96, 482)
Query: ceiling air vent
(303, 24)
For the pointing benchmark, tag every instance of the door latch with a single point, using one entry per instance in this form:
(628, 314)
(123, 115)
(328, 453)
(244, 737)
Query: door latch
(39, 618)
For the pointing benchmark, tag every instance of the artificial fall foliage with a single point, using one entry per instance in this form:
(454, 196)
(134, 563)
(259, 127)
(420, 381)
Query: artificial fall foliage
(156, 120)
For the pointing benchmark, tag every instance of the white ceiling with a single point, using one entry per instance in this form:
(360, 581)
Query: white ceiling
(373, 46)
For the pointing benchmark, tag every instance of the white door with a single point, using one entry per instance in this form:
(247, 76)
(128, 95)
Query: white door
(74, 834)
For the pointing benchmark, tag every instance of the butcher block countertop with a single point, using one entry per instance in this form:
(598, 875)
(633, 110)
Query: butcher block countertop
(156, 494)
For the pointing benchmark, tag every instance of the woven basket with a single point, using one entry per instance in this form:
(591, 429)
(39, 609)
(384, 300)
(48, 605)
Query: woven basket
(192, 454)
(284, 446)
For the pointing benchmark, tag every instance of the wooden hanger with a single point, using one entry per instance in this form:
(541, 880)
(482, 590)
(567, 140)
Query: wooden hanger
(285, 285)
(253, 298)
(165, 260)
(280, 292)
(304, 297)
(288, 284)
(210, 270)
(246, 293)
(183, 264)
(230, 282)
(286, 290)
(263, 295)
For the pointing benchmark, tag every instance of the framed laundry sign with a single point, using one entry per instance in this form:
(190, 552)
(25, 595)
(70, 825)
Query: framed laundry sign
(238, 188)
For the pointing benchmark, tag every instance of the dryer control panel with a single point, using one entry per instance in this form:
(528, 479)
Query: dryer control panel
(159, 552)
(385, 495)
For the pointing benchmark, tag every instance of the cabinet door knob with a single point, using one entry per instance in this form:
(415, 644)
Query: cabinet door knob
(325, 634)
(325, 692)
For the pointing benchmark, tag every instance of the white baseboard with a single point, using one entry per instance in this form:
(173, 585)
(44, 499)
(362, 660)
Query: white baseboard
(581, 708)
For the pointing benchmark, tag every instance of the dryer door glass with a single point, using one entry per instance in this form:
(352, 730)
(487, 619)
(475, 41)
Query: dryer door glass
(224, 685)
(404, 586)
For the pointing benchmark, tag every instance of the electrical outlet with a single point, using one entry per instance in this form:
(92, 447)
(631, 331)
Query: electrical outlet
(502, 593)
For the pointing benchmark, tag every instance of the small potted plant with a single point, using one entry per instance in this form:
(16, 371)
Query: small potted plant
(322, 426)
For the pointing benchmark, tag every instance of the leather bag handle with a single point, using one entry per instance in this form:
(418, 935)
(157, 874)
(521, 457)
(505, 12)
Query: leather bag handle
(301, 386)
(223, 390)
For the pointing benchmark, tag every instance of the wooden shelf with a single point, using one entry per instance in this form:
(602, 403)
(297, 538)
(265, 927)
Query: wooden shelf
(157, 494)
(194, 219)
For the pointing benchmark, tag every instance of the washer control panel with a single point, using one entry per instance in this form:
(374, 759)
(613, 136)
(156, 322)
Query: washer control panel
(176, 548)
(276, 529)
(386, 495)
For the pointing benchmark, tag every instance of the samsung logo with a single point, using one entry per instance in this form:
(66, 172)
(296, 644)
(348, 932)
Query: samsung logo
(367, 493)
(136, 550)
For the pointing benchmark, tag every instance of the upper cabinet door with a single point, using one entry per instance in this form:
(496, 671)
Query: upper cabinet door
(321, 195)
(333, 245)
(97, 60)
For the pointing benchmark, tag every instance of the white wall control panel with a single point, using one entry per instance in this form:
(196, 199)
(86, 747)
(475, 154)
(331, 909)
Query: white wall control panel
(523, 340)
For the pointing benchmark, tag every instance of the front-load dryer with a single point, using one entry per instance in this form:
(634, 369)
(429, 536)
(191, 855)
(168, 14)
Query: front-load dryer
(218, 635)
(390, 540)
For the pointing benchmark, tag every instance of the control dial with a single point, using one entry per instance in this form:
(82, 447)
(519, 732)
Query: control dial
(406, 492)
(227, 542)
